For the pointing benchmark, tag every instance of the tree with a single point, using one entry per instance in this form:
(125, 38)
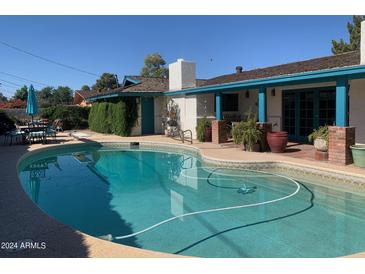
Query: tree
(62, 95)
(105, 82)
(45, 96)
(85, 88)
(3, 98)
(354, 30)
(154, 66)
(50, 96)
(21, 93)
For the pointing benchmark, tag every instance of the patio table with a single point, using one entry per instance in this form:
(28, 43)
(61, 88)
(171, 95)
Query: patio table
(33, 129)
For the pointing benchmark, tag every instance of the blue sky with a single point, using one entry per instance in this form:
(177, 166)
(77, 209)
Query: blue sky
(118, 44)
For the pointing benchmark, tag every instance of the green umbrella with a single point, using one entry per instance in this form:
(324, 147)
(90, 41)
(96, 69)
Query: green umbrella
(32, 106)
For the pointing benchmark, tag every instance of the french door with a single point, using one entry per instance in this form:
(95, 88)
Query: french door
(307, 109)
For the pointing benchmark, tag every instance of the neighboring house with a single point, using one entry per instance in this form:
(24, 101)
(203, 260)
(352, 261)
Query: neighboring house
(81, 96)
(296, 97)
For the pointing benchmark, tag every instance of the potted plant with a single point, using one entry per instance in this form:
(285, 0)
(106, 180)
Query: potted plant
(277, 141)
(319, 137)
(247, 134)
(358, 155)
(204, 130)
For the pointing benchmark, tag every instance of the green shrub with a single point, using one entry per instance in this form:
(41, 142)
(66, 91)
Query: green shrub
(116, 116)
(247, 133)
(74, 117)
(319, 132)
(203, 123)
(6, 124)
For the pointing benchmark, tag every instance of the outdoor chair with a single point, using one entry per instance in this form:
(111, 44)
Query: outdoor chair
(14, 135)
(51, 132)
(58, 125)
(36, 134)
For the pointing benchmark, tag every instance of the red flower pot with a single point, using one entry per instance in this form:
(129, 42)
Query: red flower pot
(208, 134)
(277, 141)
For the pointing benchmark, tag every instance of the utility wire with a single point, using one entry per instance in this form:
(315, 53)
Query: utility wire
(47, 60)
(12, 83)
(22, 78)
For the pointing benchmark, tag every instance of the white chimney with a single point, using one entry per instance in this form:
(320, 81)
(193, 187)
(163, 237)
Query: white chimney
(362, 44)
(181, 75)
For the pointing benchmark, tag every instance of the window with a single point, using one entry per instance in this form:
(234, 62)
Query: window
(229, 102)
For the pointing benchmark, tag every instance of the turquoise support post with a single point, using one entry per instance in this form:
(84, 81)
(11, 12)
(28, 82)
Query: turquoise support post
(342, 102)
(262, 105)
(218, 107)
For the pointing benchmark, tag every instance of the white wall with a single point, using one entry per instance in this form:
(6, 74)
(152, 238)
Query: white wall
(159, 106)
(357, 108)
(181, 75)
(205, 103)
(187, 112)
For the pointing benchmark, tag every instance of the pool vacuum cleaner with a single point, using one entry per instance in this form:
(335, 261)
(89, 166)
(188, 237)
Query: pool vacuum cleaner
(247, 190)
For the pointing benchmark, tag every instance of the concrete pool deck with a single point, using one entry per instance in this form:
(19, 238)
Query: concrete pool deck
(21, 219)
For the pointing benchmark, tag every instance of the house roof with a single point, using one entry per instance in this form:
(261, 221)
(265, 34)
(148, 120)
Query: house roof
(317, 64)
(136, 85)
(156, 85)
(86, 93)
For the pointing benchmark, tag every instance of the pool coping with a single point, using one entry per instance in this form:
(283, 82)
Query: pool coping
(253, 164)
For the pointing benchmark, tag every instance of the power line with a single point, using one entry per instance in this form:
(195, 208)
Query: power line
(47, 60)
(7, 93)
(12, 83)
(22, 78)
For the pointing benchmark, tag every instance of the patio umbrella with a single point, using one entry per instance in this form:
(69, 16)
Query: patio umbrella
(32, 106)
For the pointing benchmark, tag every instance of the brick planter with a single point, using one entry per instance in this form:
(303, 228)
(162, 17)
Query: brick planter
(321, 155)
(219, 132)
(340, 140)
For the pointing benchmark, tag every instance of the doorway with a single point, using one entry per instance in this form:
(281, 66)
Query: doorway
(308, 109)
(148, 115)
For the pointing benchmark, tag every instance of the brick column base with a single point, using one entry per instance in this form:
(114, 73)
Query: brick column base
(219, 132)
(265, 128)
(340, 140)
(320, 155)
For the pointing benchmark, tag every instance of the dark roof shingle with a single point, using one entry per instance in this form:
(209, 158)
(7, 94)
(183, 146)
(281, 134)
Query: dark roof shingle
(328, 62)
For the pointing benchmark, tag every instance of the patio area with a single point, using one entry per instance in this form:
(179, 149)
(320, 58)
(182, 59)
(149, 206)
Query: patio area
(22, 219)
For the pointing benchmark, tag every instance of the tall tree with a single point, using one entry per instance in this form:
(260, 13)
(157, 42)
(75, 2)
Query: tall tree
(62, 95)
(354, 30)
(105, 82)
(3, 98)
(154, 66)
(21, 93)
(45, 96)
(85, 88)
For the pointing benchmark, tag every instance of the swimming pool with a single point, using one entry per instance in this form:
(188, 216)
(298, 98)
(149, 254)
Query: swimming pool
(169, 200)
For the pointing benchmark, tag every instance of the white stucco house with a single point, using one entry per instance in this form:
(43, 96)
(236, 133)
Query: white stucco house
(295, 97)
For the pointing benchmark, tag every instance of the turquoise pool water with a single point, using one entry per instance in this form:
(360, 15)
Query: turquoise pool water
(172, 202)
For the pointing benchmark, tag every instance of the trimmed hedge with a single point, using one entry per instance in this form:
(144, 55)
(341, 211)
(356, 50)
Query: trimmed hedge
(74, 117)
(116, 116)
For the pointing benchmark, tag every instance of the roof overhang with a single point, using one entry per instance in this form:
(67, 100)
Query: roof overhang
(125, 94)
(353, 72)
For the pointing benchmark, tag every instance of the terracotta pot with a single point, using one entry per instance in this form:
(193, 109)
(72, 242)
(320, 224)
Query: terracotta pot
(277, 141)
(208, 134)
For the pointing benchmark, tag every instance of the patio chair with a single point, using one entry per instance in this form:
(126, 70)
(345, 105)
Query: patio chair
(58, 125)
(51, 132)
(14, 135)
(36, 134)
